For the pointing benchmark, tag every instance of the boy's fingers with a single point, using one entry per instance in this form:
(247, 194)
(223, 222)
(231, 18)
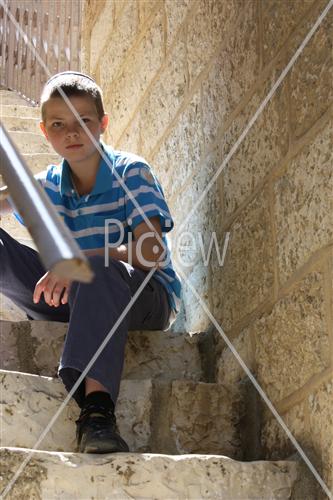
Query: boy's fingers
(64, 299)
(39, 288)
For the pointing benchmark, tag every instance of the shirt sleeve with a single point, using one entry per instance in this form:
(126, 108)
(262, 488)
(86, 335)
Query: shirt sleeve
(145, 197)
(41, 178)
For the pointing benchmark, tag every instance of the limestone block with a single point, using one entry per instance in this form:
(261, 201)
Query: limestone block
(196, 316)
(201, 419)
(229, 371)
(232, 74)
(311, 424)
(123, 96)
(197, 210)
(146, 8)
(36, 346)
(303, 204)
(320, 408)
(208, 26)
(19, 110)
(182, 148)
(11, 225)
(264, 146)
(279, 18)
(28, 142)
(176, 11)
(8, 310)
(291, 342)
(29, 402)
(164, 98)
(100, 34)
(311, 76)
(133, 412)
(131, 138)
(246, 278)
(24, 124)
(274, 439)
(118, 476)
(162, 355)
(118, 42)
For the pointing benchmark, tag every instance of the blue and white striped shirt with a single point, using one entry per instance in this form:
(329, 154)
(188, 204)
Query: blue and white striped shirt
(86, 215)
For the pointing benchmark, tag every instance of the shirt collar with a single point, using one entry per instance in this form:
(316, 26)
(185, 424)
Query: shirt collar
(103, 177)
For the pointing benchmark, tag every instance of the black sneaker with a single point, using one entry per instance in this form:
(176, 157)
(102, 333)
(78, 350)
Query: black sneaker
(97, 432)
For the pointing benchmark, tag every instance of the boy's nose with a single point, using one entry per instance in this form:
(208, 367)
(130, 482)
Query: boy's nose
(72, 130)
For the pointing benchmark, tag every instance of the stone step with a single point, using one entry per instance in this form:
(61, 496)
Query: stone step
(11, 97)
(31, 143)
(35, 347)
(19, 110)
(12, 123)
(188, 417)
(50, 475)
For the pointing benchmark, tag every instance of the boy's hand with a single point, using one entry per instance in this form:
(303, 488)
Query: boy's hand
(53, 288)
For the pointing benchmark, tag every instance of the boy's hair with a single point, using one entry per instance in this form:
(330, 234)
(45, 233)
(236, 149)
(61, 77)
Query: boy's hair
(72, 83)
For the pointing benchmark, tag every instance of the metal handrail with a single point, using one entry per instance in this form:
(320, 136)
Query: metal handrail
(59, 251)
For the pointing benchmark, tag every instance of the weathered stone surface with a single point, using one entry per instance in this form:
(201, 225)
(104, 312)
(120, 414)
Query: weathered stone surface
(303, 204)
(36, 346)
(118, 41)
(207, 28)
(59, 475)
(28, 142)
(24, 124)
(180, 153)
(164, 98)
(279, 18)
(9, 311)
(311, 423)
(311, 76)
(19, 110)
(123, 96)
(288, 348)
(101, 32)
(265, 144)
(12, 226)
(320, 411)
(232, 74)
(246, 278)
(176, 11)
(229, 371)
(201, 419)
(28, 403)
(131, 138)
(9, 97)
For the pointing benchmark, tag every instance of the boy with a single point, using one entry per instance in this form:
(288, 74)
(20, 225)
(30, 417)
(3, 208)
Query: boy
(87, 190)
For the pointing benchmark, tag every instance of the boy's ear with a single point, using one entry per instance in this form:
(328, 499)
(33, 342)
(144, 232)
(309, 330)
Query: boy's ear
(104, 123)
(43, 129)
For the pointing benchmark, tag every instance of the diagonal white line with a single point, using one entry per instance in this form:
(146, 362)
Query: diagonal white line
(255, 116)
(76, 385)
(257, 386)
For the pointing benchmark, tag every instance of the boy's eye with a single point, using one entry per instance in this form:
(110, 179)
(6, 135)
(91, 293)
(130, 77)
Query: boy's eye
(86, 120)
(56, 124)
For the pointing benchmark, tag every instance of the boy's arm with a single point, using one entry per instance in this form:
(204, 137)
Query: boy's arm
(144, 251)
(5, 206)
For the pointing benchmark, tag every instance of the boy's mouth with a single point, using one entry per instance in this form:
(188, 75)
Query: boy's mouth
(74, 146)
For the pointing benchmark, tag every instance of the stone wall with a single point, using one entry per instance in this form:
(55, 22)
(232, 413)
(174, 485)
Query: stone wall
(181, 80)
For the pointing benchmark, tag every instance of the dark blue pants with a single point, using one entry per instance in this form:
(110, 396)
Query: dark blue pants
(91, 312)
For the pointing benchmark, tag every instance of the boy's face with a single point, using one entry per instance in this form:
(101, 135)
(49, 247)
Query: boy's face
(64, 132)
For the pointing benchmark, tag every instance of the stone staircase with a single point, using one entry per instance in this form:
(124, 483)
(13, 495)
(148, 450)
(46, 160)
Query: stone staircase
(181, 427)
